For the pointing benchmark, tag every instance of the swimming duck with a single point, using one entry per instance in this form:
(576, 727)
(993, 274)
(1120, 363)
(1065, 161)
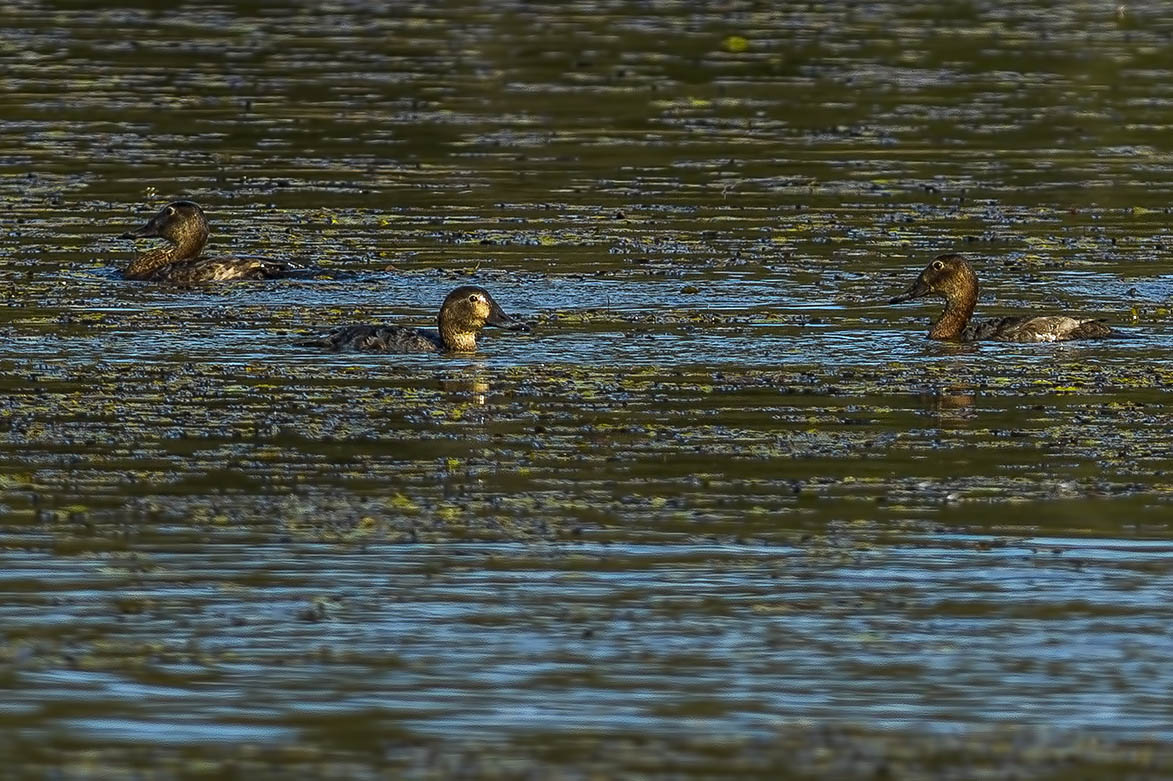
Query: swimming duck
(185, 228)
(463, 314)
(951, 277)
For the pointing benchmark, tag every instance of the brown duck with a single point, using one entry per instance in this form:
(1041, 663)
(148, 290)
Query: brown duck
(185, 228)
(950, 277)
(463, 314)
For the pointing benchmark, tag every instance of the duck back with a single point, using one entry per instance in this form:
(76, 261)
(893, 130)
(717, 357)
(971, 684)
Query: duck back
(1045, 328)
(222, 270)
(379, 339)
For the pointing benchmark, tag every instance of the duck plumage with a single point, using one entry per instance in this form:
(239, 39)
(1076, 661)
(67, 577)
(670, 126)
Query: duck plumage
(184, 226)
(465, 311)
(952, 278)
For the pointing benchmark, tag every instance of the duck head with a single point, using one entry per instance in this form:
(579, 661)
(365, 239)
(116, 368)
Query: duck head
(466, 311)
(947, 276)
(181, 223)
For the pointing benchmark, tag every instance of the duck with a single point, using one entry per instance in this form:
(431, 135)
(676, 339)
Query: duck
(952, 278)
(465, 311)
(184, 226)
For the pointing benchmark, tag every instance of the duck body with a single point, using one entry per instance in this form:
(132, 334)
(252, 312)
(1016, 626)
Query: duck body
(212, 269)
(952, 278)
(185, 228)
(1043, 328)
(465, 311)
(380, 339)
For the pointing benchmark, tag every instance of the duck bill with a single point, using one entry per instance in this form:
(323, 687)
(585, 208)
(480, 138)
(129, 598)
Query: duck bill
(498, 318)
(148, 231)
(919, 289)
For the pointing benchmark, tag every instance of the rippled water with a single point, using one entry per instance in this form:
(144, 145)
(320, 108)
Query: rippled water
(723, 510)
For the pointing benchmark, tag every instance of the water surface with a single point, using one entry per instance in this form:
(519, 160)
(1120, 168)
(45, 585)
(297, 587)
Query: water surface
(723, 510)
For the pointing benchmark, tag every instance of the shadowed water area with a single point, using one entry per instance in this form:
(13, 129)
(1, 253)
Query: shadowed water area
(722, 510)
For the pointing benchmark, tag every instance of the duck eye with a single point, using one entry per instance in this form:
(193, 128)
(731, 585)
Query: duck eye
(171, 211)
(474, 298)
(938, 265)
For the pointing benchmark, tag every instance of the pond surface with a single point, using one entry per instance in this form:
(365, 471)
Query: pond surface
(723, 510)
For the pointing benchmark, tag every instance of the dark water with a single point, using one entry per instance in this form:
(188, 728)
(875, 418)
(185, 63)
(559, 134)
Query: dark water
(721, 512)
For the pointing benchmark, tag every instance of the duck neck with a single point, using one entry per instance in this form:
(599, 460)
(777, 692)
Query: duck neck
(958, 310)
(187, 247)
(456, 339)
